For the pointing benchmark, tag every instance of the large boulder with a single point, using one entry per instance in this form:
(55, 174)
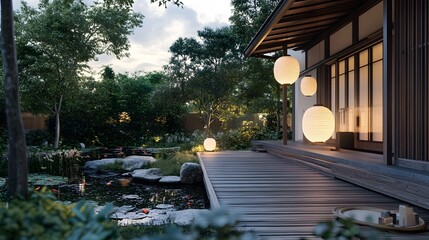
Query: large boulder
(128, 164)
(136, 162)
(191, 173)
(148, 175)
(96, 164)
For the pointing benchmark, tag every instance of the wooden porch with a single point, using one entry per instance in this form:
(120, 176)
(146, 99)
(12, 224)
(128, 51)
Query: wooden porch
(281, 198)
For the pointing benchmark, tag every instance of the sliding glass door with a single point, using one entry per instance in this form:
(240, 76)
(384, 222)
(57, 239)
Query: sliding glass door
(358, 81)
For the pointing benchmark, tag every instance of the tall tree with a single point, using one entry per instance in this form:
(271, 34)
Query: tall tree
(258, 89)
(17, 151)
(55, 42)
(214, 84)
(17, 157)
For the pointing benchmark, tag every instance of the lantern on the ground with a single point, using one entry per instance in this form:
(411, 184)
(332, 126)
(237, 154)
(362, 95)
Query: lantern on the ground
(209, 144)
(286, 70)
(308, 86)
(318, 124)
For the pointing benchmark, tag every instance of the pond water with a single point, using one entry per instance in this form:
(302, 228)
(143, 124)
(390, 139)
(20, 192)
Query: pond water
(105, 189)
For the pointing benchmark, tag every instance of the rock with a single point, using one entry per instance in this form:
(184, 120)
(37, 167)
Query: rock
(135, 162)
(170, 180)
(149, 175)
(148, 221)
(94, 165)
(185, 217)
(191, 173)
(164, 206)
(131, 197)
(128, 215)
(128, 164)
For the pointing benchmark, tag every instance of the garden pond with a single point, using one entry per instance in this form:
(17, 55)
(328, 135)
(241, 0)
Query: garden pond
(110, 188)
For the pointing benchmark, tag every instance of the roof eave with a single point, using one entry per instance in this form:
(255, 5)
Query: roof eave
(263, 32)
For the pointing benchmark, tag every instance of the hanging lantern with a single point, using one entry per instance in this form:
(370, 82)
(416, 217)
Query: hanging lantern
(318, 123)
(286, 70)
(209, 144)
(308, 86)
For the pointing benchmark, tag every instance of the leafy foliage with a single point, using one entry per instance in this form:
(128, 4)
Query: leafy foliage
(170, 163)
(28, 220)
(343, 229)
(56, 40)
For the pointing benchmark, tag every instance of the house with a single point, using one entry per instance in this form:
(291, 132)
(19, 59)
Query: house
(370, 59)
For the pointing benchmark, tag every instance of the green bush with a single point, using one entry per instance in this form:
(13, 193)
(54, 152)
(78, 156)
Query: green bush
(170, 163)
(43, 217)
(241, 138)
(38, 138)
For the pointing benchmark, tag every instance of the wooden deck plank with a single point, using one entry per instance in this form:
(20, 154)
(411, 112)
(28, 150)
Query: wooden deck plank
(281, 199)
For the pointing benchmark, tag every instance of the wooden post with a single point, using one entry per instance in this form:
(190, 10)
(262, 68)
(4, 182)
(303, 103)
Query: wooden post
(388, 82)
(285, 115)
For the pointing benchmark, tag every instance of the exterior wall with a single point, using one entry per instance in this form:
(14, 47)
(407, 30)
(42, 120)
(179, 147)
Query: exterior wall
(299, 101)
(371, 21)
(411, 77)
(302, 103)
(341, 39)
(316, 54)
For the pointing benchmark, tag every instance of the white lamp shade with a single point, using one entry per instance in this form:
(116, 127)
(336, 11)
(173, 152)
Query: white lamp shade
(318, 124)
(209, 144)
(286, 70)
(308, 86)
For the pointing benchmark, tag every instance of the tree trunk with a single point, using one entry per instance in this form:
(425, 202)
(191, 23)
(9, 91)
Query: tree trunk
(17, 151)
(57, 130)
(57, 122)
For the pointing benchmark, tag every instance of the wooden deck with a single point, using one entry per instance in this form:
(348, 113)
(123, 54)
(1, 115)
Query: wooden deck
(279, 198)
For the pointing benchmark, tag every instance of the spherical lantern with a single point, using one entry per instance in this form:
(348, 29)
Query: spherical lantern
(209, 144)
(318, 124)
(308, 86)
(286, 70)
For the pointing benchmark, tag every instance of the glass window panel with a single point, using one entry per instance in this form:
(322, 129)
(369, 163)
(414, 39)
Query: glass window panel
(333, 70)
(377, 101)
(351, 63)
(363, 104)
(342, 102)
(377, 52)
(363, 58)
(342, 67)
(351, 90)
(333, 100)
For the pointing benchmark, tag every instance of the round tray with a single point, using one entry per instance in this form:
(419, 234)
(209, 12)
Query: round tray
(369, 216)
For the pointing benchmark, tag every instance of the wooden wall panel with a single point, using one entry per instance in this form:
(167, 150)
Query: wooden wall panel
(411, 100)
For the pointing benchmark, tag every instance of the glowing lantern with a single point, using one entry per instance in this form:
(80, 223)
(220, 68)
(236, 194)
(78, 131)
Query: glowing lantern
(308, 86)
(286, 70)
(318, 124)
(209, 144)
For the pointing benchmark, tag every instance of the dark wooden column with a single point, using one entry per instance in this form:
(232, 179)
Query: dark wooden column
(285, 115)
(387, 84)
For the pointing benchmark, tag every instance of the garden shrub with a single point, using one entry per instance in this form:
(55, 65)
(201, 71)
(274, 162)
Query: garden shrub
(241, 138)
(43, 217)
(170, 164)
(38, 138)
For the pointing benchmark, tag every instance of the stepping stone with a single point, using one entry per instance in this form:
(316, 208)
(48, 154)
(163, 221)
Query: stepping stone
(170, 180)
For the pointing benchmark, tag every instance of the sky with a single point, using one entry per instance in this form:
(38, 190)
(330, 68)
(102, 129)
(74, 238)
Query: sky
(161, 27)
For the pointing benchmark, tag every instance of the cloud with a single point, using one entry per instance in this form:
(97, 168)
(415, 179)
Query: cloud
(161, 27)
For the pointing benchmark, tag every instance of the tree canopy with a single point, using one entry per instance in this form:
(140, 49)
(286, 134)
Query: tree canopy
(56, 40)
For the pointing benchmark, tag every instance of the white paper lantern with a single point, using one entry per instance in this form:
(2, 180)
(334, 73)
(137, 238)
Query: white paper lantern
(308, 86)
(318, 124)
(209, 144)
(286, 70)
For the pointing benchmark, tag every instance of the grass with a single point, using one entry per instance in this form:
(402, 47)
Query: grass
(170, 163)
